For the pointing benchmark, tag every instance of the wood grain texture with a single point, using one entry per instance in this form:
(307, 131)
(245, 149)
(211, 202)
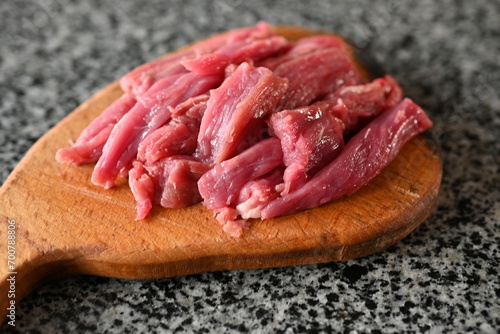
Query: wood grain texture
(67, 226)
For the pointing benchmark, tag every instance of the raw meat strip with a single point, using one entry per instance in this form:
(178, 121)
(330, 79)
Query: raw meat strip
(147, 115)
(179, 136)
(357, 104)
(139, 80)
(236, 53)
(315, 74)
(88, 147)
(311, 137)
(149, 99)
(143, 189)
(256, 194)
(170, 182)
(364, 156)
(143, 77)
(303, 47)
(243, 199)
(220, 187)
(236, 112)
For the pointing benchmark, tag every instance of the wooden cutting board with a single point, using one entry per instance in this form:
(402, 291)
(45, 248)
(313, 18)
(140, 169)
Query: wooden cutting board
(64, 225)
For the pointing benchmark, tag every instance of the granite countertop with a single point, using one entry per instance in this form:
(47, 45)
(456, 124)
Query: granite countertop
(442, 278)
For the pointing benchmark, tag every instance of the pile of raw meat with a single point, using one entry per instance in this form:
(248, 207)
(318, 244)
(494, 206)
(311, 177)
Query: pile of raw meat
(250, 124)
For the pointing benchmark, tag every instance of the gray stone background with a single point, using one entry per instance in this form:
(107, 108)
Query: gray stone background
(443, 278)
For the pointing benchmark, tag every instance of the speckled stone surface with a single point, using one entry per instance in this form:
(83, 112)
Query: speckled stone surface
(443, 278)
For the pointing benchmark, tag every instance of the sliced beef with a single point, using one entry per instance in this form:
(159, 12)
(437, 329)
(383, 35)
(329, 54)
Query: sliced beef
(305, 46)
(238, 188)
(324, 63)
(177, 137)
(147, 115)
(364, 156)
(251, 124)
(143, 189)
(221, 186)
(88, 147)
(236, 112)
(159, 88)
(231, 182)
(358, 104)
(324, 70)
(256, 194)
(311, 137)
(170, 182)
(139, 80)
(236, 53)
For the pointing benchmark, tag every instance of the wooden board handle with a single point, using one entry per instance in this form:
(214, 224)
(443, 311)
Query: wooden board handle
(23, 265)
